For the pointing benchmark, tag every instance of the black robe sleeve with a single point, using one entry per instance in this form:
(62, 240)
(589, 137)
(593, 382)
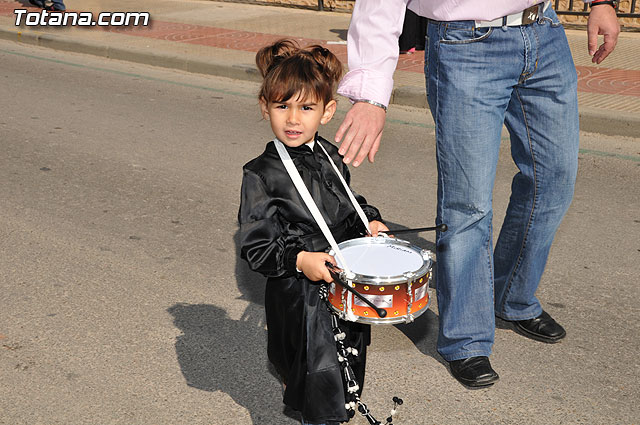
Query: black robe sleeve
(265, 244)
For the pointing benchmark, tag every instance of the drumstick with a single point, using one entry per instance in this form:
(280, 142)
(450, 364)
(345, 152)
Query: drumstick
(441, 228)
(336, 278)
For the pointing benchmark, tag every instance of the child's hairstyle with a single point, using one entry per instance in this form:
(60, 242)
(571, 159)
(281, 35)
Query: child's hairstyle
(287, 69)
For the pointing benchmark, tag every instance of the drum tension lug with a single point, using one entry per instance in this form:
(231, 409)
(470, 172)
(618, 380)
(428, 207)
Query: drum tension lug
(409, 276)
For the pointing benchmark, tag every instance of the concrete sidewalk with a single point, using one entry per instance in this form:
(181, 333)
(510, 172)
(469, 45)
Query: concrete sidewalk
(221, 39)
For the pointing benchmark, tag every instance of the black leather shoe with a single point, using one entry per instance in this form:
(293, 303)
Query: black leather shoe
(474, 372)
(542, 328)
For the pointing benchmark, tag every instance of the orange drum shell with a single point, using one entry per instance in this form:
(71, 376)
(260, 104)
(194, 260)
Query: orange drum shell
(397, 313)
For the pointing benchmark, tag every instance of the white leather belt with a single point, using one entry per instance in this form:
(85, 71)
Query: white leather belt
(516, 19)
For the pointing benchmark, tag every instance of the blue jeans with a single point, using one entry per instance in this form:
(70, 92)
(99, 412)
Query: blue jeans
(478, 79)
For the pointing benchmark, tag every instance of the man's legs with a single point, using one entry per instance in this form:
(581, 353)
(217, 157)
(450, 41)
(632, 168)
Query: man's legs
(469, 74)
(470, 79)
(542, 119)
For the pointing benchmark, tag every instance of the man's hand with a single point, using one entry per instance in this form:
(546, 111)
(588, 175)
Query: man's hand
(602, 21)
(313, 267)
(363, 127)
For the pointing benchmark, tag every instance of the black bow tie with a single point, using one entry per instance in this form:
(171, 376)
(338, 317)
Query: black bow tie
(311, 161)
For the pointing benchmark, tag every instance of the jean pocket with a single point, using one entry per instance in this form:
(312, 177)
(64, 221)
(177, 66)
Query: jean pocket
(460, 35)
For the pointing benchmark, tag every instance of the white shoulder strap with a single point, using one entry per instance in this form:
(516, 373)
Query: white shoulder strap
(308, 200)
(357, 206)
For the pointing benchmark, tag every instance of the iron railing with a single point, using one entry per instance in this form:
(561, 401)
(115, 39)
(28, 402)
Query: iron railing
(633, 12)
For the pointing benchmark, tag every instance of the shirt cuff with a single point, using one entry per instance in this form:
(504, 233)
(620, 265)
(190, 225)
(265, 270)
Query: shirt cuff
(363, 84)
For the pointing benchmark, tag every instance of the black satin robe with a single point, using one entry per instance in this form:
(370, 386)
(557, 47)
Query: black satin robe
(275, 225)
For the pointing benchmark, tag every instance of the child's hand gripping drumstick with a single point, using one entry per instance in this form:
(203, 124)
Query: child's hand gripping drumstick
(312, 264)
(377, 227)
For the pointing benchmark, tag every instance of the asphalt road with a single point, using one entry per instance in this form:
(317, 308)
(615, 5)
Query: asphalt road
(122, 299)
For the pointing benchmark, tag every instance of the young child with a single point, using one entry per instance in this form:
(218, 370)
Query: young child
(280, 239)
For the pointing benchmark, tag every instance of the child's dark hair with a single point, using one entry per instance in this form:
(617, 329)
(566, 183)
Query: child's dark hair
(287, 69)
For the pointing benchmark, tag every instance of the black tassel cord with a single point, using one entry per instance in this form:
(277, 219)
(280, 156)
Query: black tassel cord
(344, 353)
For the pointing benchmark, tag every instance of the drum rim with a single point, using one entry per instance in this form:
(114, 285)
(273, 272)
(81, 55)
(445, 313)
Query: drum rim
(386, 280)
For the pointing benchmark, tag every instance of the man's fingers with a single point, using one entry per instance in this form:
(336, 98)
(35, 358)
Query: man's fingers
(600, 55)
(610, 41)
(602, 21)
(364, 150)
(604, 51)
(375, 147)
(350, 145)
(355, 144)
(343, 128)
(360, 132)
(593, 42)
(592, 37)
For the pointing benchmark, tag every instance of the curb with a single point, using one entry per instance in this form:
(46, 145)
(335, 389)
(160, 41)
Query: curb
(146, 57)
(612, 123)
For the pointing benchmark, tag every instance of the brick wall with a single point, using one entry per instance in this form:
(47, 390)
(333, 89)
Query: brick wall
(625, 7)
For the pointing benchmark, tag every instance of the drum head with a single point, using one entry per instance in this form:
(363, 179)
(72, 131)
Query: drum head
(381, 257)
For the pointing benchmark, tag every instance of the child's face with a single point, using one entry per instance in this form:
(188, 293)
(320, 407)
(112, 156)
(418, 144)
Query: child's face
(295, 121)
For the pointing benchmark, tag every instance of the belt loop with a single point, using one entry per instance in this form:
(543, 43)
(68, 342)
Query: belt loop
(541, 12)
(504, 23)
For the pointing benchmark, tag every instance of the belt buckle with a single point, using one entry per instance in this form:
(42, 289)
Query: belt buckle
(530, 14)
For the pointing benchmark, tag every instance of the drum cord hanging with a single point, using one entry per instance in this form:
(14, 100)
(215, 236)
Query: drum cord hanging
(344, 353)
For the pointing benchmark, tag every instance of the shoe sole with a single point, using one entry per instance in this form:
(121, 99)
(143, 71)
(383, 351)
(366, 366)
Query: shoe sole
(478, 384)
(486, 382)
(541, 338)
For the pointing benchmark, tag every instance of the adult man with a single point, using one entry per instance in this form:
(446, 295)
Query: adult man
(486, 63)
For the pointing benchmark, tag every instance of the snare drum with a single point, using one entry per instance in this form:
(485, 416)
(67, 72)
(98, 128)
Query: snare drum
(391, 273)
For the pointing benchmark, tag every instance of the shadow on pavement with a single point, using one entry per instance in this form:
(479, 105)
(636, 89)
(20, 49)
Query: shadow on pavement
(423, 332)
(342, 33)
(217, 353)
